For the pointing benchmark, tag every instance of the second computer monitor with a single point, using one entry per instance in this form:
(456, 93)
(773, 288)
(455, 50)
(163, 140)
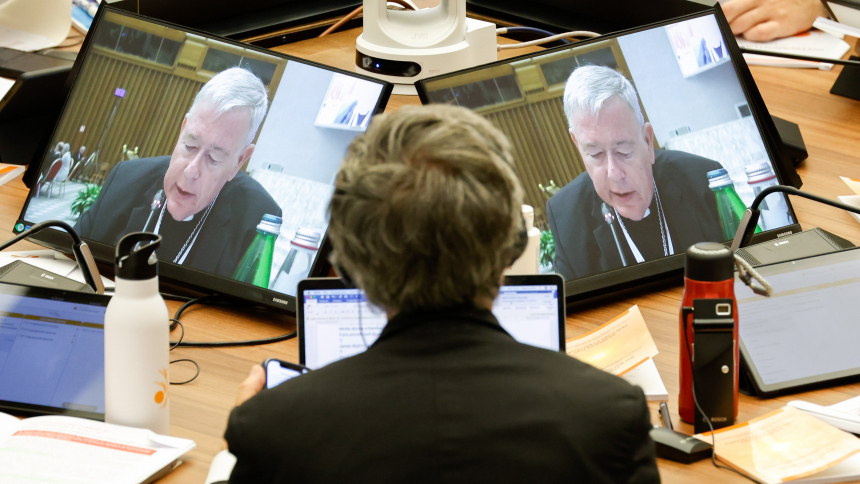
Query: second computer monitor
(631, 147)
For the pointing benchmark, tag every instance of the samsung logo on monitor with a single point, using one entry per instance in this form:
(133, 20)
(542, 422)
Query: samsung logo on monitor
(285, 303)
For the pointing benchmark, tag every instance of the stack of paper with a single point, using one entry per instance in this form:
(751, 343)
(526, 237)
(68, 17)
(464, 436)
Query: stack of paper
(623, 347)
(814, 43)
(788, 445)
(69, 449)
(9, 172)
(848, 24)
(844, 415)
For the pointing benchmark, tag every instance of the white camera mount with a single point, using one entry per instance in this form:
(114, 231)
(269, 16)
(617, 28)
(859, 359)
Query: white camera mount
(404, 46)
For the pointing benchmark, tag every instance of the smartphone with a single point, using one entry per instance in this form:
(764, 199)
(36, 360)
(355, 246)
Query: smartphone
(278, 371)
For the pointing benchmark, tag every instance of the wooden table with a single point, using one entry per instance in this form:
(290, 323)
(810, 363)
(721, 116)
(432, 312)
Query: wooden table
(831, 129)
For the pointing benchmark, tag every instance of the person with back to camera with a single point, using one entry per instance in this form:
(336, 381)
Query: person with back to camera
(658, 201)
(425, 216)
(198, 198)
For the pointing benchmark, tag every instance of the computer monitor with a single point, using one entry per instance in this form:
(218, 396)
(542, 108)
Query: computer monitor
(226, 150)
(631, 147)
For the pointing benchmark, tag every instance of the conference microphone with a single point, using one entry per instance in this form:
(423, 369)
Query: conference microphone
(610, 219)
(157, 203)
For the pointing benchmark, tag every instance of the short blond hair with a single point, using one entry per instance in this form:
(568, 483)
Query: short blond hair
(426, 212)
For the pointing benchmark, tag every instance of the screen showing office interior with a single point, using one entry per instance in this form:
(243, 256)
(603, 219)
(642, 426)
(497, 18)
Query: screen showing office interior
(52, 353)
(590, 177)
(128, 154)
(339, 323)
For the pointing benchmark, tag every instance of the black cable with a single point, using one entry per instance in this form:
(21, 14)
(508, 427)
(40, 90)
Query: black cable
(541, 32)
(794, 191)
(841, 62)
(39, 226)
(181, 336)
(174, 297)
(233, 344)
(213, 300)
(744, 235)
(183, 359)
(192, 378)
(708, 420)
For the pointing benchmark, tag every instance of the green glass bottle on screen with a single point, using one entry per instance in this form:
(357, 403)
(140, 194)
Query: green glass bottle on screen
(256, 265)
(729, 205)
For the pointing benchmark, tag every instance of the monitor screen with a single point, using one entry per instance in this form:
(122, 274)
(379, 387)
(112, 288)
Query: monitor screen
(51, 353)
(338, 323)
(805, 332)
(631, 148)
(227, 151)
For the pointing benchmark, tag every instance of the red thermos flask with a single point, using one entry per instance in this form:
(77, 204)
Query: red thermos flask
(708, 274)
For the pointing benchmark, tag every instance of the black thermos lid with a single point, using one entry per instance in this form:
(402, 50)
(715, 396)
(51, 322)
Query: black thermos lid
(709, 262)
(135, 256)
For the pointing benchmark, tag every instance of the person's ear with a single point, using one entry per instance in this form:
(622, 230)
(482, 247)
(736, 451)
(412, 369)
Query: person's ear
(573, 138)
(244, 156)
(184, 120)
(648, 133)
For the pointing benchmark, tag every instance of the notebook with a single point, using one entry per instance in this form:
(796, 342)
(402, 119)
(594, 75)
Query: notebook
(335, 322)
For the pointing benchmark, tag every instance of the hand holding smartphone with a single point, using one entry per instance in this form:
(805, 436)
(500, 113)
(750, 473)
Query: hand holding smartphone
(278, 371)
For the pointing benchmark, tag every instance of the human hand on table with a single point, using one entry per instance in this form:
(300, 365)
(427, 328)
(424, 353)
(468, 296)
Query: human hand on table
(252, 385)
(763, 20)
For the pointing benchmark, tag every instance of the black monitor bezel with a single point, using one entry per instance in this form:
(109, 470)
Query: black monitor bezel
(672, 266)
(188, 277)
(57, 295)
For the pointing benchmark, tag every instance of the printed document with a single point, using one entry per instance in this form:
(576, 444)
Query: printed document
(784, 445)
(617, 346)
(74, 450)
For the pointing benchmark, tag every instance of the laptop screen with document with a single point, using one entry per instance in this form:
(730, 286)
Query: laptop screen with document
(336, 323)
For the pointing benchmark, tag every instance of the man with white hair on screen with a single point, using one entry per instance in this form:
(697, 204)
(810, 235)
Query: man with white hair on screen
(198, 198)
(657, 202)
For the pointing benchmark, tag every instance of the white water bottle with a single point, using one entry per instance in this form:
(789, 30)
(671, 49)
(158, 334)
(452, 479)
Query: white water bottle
(137, 340)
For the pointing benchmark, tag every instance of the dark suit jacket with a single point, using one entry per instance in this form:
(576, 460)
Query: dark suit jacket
(446, 396)
(584, 245)
(123, 207)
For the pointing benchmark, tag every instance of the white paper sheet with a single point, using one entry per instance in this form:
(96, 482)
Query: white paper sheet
(20, 40)
(73, 450)
(5, 85)
(646, 377)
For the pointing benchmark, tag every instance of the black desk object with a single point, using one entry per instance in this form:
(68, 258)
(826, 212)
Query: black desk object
(29, 110)
(848, 82)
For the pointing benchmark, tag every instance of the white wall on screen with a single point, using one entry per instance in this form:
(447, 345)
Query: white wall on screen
(700, 102)
(288, 136)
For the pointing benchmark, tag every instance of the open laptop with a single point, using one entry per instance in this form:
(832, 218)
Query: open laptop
(336, 322)
(52, 351)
